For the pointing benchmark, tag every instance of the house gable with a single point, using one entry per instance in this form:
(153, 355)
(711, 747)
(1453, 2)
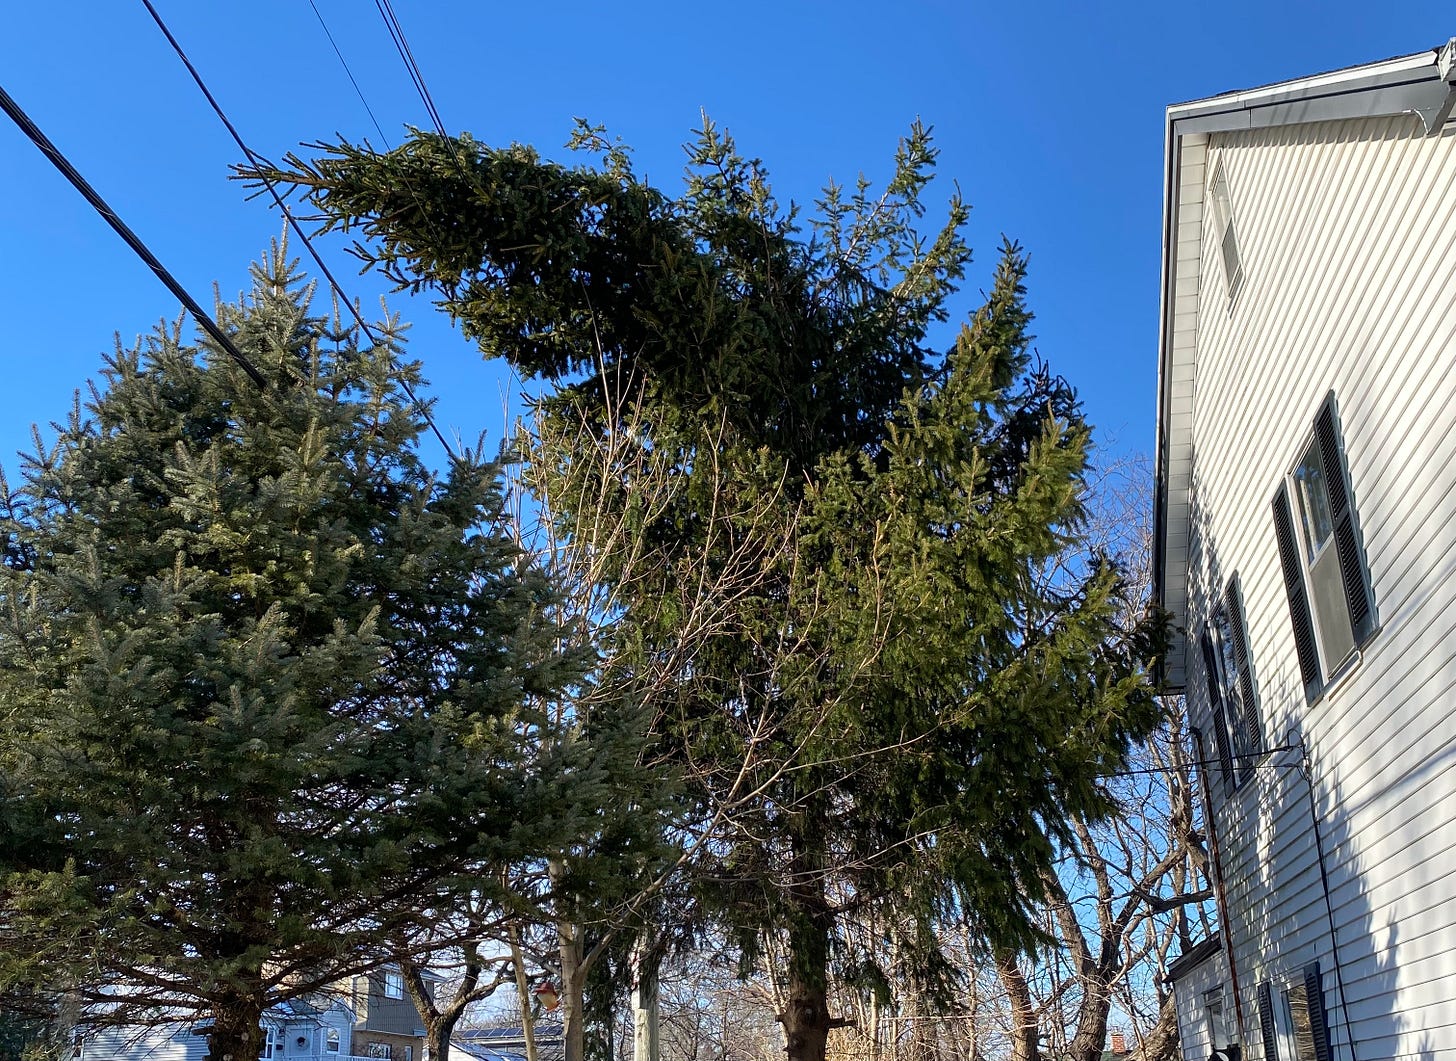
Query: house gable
(1422, 86)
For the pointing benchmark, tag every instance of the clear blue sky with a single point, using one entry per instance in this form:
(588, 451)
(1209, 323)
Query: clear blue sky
(1048, 115)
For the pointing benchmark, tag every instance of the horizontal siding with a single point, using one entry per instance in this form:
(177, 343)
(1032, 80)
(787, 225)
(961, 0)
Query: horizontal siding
(1347, 233)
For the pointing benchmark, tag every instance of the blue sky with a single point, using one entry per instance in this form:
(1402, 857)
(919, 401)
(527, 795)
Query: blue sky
(1049, 116)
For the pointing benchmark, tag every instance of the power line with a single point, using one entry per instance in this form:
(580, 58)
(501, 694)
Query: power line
(352, 80)
(407, 56)
(1213, 762)
(401, 45)
(132, 240)
(257, 161)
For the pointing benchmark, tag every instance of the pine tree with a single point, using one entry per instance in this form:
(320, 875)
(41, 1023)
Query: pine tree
(893, 711)
(266, 682)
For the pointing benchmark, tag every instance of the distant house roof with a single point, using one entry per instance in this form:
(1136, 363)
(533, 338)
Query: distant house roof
(509, 1043)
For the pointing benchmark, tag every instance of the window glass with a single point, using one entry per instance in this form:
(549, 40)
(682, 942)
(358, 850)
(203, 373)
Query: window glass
(1299, 1028)
(393, 984)
(1213, 1006)
(1314, 503)
(331, 1043)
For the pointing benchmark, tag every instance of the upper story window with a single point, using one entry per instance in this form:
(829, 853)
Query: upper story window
(393, 982)
(331, 1041)
(271, 1044)
(1232, 695)
(1223, 228)
(1325, 575)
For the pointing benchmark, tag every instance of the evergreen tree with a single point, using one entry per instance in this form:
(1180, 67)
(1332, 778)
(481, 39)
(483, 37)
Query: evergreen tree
(266, 683)
(894, 711)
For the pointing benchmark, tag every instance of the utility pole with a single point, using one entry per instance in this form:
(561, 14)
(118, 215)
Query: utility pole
(646, 1045)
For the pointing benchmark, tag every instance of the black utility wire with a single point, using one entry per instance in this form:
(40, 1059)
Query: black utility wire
(352, 80)
(31, 130)
(1212, 762)
(259, 160)
(407, 55)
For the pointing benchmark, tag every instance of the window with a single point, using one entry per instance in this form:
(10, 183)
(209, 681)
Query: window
(393, 983)
(78, 1047)
(1292, 1018)
(1218, 1033)
(271, 1043)
(378, 1049)
(1325, 576)
(331, 1041)
(409, 1053)
(1223, 224)
(1231, 690)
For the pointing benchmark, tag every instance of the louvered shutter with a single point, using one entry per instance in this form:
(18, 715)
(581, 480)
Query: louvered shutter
(1266, 1022)
(1220, 719)
(1309, 668)
(1315, 1001)
(1342, 513)
(1233, 606)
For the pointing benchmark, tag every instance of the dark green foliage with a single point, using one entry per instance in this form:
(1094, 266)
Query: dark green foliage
(265, 682)
(900, 699)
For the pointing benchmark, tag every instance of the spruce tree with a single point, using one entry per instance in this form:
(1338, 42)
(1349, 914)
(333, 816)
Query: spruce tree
(267, 684)
(896, 711)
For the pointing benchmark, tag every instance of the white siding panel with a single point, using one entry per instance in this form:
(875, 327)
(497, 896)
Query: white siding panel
(1347, 233)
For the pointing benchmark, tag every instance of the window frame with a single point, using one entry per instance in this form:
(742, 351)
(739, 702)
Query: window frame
(333, 1041)
(1221, 202)
(393, 982)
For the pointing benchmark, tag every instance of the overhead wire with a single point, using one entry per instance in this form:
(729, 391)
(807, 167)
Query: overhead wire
(132, 240)
(293, 223)
(352, 79)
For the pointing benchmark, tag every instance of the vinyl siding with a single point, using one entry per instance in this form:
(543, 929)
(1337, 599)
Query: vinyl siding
(1347, 233)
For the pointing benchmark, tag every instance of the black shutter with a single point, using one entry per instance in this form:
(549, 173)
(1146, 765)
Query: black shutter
(1315, 1001)
(1233, 606)
(1266, 1022)
(1293, 566)
(1347, 544)
(1220, 719)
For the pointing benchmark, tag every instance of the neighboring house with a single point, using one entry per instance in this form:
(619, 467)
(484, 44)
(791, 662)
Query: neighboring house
(365, 1016)
(1305, 537)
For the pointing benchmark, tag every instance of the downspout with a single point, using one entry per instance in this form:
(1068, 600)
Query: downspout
(1220, 896)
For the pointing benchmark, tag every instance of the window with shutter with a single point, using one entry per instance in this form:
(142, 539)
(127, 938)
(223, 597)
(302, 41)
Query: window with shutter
(1325, 575)
(1301, 1026)
(1231, 688)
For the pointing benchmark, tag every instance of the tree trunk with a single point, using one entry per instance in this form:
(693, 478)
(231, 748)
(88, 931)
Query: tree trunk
(805, 1017)
(1161, 1042)
(237, 1033)
(573, 992)
(1025, 1028)
(1091, 1037)
(523, 994)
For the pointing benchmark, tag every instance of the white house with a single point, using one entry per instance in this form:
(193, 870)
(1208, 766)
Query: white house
(1305, 537)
